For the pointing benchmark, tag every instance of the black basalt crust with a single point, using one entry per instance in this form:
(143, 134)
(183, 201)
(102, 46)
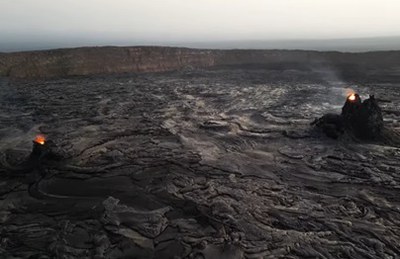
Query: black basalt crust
(331, 124)
(193, 164)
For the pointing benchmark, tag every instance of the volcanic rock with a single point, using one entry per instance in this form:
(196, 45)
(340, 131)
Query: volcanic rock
(331, 124)
(119, 60)
(363, 120)
(149, 172)
(370, 119)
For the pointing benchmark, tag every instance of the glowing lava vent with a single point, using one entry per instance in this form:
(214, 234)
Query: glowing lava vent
(351, 97)
(40, 139)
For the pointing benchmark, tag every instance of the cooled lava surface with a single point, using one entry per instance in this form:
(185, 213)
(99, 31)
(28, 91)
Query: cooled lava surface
(195, 164)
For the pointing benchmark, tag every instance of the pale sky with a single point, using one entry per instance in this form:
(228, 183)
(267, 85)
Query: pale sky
(102, 22)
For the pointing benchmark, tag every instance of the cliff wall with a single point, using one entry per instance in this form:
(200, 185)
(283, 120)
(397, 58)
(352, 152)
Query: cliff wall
(117, 60)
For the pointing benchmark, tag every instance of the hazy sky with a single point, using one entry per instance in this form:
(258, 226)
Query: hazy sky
(100, 22)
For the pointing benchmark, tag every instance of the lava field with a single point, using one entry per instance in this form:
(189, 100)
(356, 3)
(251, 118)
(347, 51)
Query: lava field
(195, 164)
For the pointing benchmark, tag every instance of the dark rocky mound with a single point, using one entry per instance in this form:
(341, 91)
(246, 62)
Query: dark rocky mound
(362, 120)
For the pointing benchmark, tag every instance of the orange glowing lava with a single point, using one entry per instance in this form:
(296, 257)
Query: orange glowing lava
(352, 97)
(40, 139)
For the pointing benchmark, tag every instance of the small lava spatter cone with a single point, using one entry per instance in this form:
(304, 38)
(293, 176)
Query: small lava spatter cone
(360, 119)
(363, 119)
(39, 148)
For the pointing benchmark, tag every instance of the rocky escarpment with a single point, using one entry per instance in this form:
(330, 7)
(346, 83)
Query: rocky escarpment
(117, 60)
(106, 60)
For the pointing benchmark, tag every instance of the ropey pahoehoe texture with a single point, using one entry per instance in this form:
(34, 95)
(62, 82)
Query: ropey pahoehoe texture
(194, 164)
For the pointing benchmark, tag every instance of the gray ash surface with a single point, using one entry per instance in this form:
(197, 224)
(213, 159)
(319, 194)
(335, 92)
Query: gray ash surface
(195, 164)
